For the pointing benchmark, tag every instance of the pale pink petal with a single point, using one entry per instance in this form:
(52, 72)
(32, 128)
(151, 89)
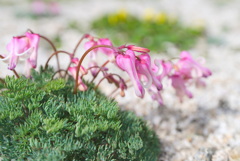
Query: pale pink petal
(127, 63)
(90, 44)
(179, 84)
(155, 94)
(34, 42)
(161, 68)
(39, 7)
(16, 46)
(138, 49)
(54, 8)
(144, 67)
(108, 51)
(93, 70)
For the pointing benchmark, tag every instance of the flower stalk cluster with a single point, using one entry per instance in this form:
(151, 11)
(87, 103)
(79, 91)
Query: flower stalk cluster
(145, 74)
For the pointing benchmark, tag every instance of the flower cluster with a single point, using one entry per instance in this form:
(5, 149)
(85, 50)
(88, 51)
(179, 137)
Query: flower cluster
(145, 74)
(23, 46)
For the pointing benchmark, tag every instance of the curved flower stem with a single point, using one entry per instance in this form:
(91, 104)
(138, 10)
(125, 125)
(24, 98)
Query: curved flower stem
(54, 49)
(74, 51)
(81, 60)
(51, 44)
(14, 71)
(100, 69)
(79, 42)
(105, 77)
(49, 41)
(16, 74)
(115, 90)
(45, 38)
(59, 71)
(56, 53)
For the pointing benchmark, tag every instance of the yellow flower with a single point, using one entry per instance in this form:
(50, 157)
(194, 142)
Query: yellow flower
(113, 19)
(148, 15)
(122, 15)
(161, 18)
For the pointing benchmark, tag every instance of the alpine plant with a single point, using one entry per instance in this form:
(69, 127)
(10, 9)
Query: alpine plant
(145, 74)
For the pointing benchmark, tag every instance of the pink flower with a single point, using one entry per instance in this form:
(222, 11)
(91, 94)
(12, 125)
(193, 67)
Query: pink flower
(73, 72)
(33, 40)
(82, 69)
(23, 45)
(54, 8)
(150, 73)
(90, 44)
(144, 68)
(39, 7)
(140, 67)
(126, 62)
(17, 47)
(155, 94)
(180, 85)
(108, 51)
(189, 68)
(93, 68)
(161, 68)
(137, 49)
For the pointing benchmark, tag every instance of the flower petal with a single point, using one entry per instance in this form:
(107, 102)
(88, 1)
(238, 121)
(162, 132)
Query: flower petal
(127, 63)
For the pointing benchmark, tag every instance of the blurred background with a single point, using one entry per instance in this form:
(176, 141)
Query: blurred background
(205, 127)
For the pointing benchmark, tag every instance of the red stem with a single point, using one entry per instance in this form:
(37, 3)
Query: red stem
(100, 69)
(16, 74)
(79, 42)
(59, 71)
(74, 51)
(56, 53)
(81, 60)
(54, 48)
(105, 78)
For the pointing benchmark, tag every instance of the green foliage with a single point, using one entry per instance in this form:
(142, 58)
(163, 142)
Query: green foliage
(153, 32)
(40, 119)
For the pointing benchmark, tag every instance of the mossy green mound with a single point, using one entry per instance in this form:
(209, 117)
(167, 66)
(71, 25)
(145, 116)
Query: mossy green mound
(40, 119)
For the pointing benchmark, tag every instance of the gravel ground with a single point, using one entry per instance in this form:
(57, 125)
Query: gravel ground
(205, 128)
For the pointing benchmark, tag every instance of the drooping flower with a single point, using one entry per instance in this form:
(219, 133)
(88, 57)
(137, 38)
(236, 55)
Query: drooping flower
(180, 86)
(190, 68)
(107, 51)
(39, 7)
(54, 8)
(186, 71)
(93, 68)
(90, 44)
(161, 68)
(126, 62)
(23, 45)
(144, 68)
(33, 40)
(18, 46)
(140, 70)
(73, 71)
(155, 94)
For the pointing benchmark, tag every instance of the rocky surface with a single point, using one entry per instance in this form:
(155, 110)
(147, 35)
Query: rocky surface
(205, 128)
